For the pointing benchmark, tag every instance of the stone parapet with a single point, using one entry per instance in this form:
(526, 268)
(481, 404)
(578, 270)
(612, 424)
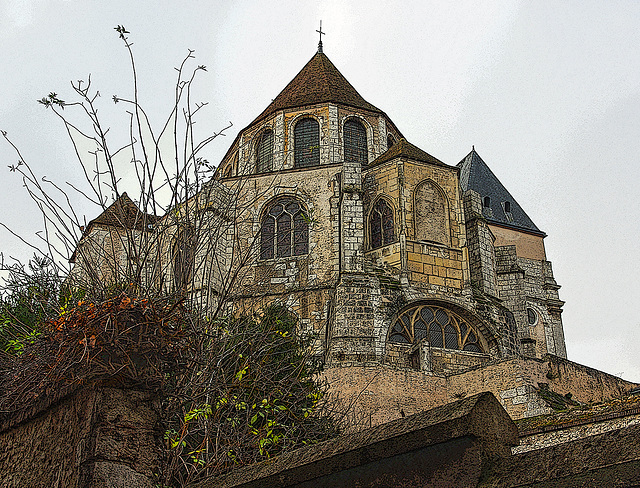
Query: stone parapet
(96, 437)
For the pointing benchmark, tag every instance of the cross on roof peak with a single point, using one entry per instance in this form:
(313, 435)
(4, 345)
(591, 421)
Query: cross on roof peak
(319, 31)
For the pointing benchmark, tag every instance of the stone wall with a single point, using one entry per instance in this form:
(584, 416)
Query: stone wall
(96, 437)
(527, 245)
(384, 393)
(380, 394)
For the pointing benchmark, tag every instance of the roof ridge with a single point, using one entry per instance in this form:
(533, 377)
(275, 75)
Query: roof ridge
(403, 148)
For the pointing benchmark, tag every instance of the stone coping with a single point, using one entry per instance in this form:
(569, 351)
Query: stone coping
(480, 417)
(613, 409)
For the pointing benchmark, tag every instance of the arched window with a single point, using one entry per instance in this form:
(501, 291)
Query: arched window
(285, 230)
(532, 317)
(390, 141)
(264, 152)
(184, 248)
(381, 224)
(430, 214)
(487, 202)
(307, 143)
(355, 142)
(441, 327)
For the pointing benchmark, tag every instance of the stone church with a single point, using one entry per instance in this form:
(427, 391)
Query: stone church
(422, 281)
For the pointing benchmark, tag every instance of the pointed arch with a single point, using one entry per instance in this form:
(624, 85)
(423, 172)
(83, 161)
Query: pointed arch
(439, 325)
(431, 213)
(183, 256)
(284, 229)
(381, 224)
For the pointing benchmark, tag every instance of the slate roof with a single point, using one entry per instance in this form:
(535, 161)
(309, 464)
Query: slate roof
(476, 175)
(404, 149)
(318, 82)
(123, 213)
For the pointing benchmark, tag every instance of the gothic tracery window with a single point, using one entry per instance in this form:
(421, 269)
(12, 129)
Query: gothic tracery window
(264, 152)
(381, 224)
(285, 230)
(306, 135)
(441, 327)
(355, 142)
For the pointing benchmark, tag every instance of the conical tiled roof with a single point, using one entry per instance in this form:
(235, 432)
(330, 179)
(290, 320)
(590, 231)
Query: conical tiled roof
(318, 82)
(123, 213)
(475, 175)
(404, 149)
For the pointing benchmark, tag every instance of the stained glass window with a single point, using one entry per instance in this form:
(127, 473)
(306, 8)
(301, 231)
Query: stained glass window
(284, 231)
(381, 225)
(441, 327)
(307, 143)
(264, 152)
(355, 142)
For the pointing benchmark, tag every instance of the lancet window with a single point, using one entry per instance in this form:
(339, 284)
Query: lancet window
(285, 230)
(184, 247)
(355, 142)
(306, 136)
(440, 327)
(264, 152)
(381, 224)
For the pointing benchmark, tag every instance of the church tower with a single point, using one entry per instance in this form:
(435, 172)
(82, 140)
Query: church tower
(387, 254)
(414, 277)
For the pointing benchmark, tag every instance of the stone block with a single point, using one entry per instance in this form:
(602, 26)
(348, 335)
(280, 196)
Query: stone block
(437, 280)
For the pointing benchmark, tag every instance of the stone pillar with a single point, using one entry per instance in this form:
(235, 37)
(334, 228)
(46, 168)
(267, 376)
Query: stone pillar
(512, 283)
(554, 307)
(480, 245)
(351, 337)
(352, 219)
(278, 142)
(402, 227)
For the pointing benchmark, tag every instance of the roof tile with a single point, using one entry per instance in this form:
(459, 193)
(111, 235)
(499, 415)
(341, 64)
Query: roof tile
(123, 213)
(404, 149)
(318, 82)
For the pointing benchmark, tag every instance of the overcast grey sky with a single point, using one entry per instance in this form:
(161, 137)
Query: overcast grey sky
(549, 93)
